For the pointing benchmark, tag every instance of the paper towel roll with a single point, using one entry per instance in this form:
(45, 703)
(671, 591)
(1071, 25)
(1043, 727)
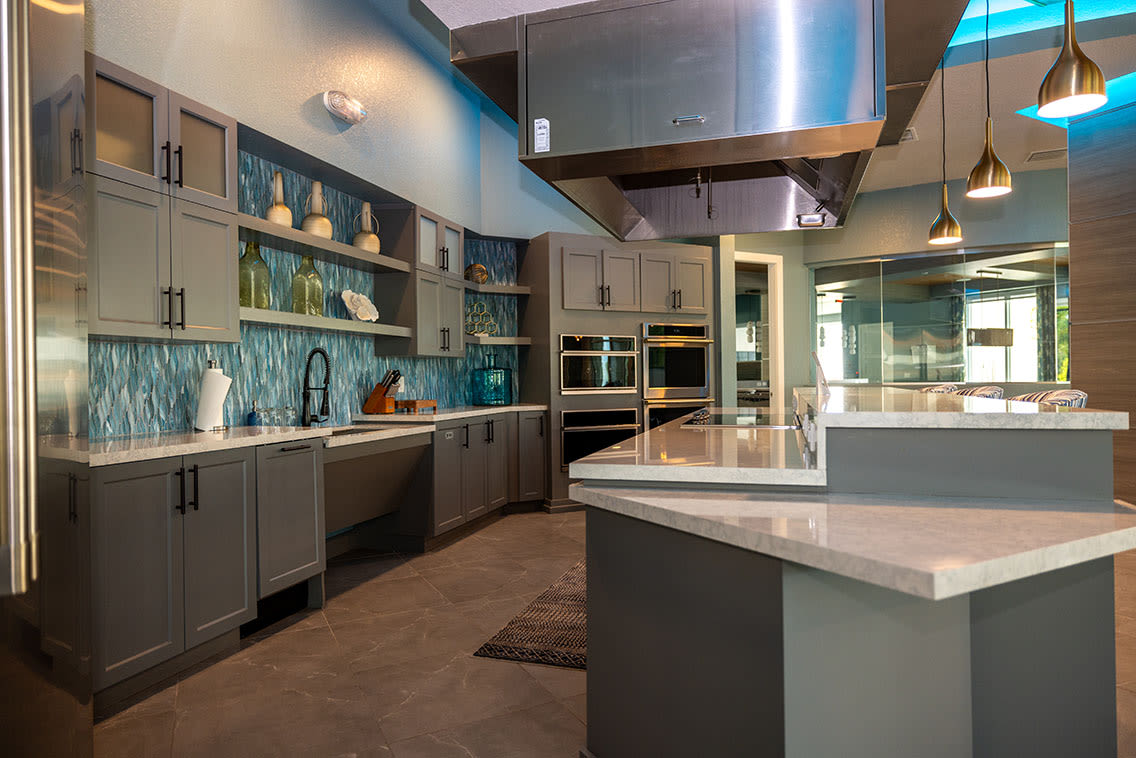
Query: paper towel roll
(211, 400)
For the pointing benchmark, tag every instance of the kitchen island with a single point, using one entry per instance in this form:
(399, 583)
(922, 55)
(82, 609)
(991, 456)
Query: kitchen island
(904, 574)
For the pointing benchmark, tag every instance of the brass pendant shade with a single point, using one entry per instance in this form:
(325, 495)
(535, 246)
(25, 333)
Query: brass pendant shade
(1074, 84)
(946, 229)
(990, 177)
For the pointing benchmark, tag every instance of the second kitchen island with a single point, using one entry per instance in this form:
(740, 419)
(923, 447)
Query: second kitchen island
(904, 575)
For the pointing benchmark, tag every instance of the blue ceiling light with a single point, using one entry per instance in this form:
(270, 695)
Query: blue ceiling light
(1121, 91)
(1009, 17)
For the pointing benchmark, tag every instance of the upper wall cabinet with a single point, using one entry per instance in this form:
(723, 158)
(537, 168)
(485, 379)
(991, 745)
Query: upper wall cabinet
(674, 283)
(145, 135)
(648, 282)
(417, 236)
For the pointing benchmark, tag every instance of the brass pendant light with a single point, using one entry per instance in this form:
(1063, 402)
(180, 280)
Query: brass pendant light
(1074, 84)
(989, 177)
(946, 229)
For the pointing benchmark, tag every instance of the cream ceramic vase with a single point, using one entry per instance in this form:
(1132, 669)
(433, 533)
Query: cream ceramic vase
(365, 238)
(278, 212)
(315, 222)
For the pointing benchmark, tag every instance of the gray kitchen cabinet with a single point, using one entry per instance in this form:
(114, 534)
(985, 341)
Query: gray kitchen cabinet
(583, 279)
(439, 244)
(692, 284)
(128, 245)
(656, 282)
(453, 318)
(136, 568)
(448, 447)
(532, 455)
(205, 273)
(509, 429)
(64, 525)
(621, 280)
(289, 514)
(496, 461)
(172, 557)
(428, 327)
(220, 543)
(474, 459)
(204, 145)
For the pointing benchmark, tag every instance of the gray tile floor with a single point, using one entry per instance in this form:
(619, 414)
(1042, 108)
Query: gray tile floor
(386, 668)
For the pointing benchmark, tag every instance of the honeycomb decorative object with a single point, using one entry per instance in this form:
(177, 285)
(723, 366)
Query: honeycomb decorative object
(478, 320)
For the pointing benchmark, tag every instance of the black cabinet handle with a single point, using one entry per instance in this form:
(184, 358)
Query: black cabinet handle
(609, 294)
(542, 426)
(82, 160)
(181, 294)
(180, 474)
(445, 251)
(196, 500)
(72, 498)
(294, 448)
(181, 167)
(489, 431)
(466, 443)
(169, 172)
(679, 299)
(601, 295)
(168, 292)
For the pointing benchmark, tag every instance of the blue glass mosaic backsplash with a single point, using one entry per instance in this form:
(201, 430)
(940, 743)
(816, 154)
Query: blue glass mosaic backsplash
(143, 388)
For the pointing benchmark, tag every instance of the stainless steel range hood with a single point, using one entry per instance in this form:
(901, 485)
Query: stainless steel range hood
(692, 118)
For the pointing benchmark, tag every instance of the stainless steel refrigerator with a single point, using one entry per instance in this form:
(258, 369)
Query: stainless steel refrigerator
(45, 683)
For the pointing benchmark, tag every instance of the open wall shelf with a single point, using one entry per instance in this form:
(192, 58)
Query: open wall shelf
(297, 241)
(321, 323)
(499, 289)
(485, 339)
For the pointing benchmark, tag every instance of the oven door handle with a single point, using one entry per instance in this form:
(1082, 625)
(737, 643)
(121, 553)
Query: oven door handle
(676, 341)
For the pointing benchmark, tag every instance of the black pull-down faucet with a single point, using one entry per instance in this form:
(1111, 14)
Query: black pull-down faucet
(307, 418)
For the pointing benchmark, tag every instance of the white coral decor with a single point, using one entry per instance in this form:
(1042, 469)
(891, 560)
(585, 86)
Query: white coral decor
(360, 306)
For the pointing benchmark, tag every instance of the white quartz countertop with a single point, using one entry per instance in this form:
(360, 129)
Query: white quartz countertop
(445, 414)
(705, 454)
(360, 433)
(893, 407)
(932, 548)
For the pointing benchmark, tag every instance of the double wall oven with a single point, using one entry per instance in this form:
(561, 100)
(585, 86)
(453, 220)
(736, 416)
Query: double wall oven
(676, 371)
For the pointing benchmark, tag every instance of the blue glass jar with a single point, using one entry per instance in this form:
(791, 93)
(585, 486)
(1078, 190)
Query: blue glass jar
(492, 386)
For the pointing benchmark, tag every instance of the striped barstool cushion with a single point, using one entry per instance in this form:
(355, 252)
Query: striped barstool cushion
(1069, 398)
(986, 390)
(939, 389)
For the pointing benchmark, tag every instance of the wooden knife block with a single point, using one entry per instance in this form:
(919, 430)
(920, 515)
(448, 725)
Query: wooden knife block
(378, 402)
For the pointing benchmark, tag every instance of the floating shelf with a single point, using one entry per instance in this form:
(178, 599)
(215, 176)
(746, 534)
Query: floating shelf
(499, 289)
(485, 339)
(298, 241)
(322, 323)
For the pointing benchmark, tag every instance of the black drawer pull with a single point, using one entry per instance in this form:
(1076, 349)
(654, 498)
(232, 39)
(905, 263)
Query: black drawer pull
(294, 448)
(196, 500)
(466, 443)
(180, 474)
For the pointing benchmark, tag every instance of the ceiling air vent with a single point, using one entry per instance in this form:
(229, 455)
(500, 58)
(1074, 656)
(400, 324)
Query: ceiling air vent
(1046, 155)
(909, 135)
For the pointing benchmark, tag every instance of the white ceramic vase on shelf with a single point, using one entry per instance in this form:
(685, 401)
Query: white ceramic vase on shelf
(366, 238)
(315, 222)
(278, 212)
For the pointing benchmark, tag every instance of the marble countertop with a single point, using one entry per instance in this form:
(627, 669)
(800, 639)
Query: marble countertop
(374, 433)
(892, 407)
(931, 548)
(706, 454)
(445, 414)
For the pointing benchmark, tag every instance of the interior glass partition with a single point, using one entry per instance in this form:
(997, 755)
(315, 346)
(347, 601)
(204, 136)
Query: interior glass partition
(990, 316)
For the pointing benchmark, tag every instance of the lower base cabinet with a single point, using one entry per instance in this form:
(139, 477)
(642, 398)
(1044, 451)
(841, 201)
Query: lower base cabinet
(172, 562)
(532, 456)
(290, 516)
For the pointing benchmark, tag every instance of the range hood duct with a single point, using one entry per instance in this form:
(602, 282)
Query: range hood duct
(694, 118)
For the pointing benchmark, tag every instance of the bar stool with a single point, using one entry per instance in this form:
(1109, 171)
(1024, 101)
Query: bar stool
(1069, 398)
(939, 389)
(987, 390)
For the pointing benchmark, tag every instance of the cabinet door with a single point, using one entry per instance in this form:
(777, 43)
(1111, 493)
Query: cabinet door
(64, 529)
(220, 543)
(136, 568)
(453, 318)
(497, 462)
(692, 280)
(58, 123)
(128, 276)
(532, 456)
(205, 278)
(428, 328)
(204, 162)
(128, 127)
(453, 240)
(448, 511)
(583, 279)
(473, 463)
(621, 281)
(429, 246)
(509, 426)
(656, 277)
(289, 514)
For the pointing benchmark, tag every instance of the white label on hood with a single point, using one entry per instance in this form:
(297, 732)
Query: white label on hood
(541, 142)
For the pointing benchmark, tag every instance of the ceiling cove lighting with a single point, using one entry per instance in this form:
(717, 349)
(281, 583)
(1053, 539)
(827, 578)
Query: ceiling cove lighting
(1074, 84)
(990, 177)
(946, 229)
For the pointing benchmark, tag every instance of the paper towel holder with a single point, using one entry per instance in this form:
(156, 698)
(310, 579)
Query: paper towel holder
(215, 411)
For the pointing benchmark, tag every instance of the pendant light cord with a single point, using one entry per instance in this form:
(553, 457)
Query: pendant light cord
(987, 58)
(943, 104)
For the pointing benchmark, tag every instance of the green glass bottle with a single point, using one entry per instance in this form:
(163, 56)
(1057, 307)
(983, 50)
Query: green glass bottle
(307, 289)
(255, 291)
